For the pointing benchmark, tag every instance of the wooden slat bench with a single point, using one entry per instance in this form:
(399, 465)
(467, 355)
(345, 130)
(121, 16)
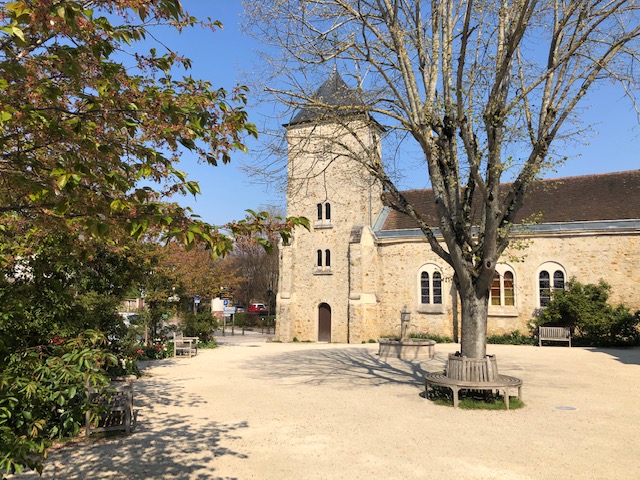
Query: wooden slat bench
(554, 334)
(184, 345)
(503, 383)
(112, 409)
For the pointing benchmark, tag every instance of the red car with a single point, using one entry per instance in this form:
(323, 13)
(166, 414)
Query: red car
(258, 308)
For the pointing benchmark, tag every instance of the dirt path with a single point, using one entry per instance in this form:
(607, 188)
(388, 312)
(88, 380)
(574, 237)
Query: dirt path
(257, 410)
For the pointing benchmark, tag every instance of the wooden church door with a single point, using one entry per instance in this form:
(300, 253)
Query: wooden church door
(324, 323)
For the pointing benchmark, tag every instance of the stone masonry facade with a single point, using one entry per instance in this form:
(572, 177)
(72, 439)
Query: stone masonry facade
(362, 262)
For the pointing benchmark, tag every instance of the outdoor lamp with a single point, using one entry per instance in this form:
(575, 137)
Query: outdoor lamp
(405, 314)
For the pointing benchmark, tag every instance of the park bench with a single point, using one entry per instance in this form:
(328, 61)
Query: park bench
(184, 345)
(502, 383)
(111, 409)
(554, 334)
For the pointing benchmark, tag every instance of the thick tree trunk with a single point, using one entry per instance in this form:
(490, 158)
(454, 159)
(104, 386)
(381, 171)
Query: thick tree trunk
(474, 324)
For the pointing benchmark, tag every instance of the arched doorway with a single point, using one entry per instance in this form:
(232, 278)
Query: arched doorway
(324, 323)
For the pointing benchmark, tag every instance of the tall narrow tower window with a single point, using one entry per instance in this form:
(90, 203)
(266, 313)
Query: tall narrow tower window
(323, 262)
(324, 215)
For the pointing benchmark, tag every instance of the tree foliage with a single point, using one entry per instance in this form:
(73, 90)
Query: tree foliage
(197, 272)
(94, 114)
(91, 127)
(57, 286)
(258, 267)
(42, 396)
(483, 90)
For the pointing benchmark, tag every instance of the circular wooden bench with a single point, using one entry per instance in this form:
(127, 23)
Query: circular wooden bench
(503, 383)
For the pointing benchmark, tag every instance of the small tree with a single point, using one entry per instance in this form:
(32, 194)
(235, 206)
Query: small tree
(258, 267)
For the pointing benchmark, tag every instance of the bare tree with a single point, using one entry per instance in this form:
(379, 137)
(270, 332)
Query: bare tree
(483, 88)
(257, 265)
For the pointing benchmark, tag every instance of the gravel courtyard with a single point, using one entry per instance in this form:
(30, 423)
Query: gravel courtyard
(258, 410)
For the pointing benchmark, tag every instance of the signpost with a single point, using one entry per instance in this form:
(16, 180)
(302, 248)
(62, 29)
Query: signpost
(226, 313)
(196, 302)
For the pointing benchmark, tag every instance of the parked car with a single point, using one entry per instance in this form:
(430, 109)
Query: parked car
(258, 308)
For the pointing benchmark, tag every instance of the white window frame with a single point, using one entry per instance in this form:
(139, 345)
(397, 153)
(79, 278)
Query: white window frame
(438, 308)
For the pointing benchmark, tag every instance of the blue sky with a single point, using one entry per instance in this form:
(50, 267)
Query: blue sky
(223, 56)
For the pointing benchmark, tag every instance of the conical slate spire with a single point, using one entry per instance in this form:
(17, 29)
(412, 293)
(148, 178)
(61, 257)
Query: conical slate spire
(334, 92)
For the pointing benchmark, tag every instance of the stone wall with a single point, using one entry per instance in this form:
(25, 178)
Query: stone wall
(588, 257)
(370, 280)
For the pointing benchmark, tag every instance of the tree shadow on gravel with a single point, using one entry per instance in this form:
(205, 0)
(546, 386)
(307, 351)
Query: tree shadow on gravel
(344, 368)
(626, 355)
(161, 446)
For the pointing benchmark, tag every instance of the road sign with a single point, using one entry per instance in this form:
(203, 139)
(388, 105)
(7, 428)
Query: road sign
(196, 299)
(229, 311)
(225, 303)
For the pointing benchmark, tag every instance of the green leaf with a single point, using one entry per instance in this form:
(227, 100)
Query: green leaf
(63, 180)
(187, 142)
(18, 33)
(193, 187)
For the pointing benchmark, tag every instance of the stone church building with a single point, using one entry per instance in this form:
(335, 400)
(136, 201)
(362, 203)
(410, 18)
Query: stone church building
(347, 279)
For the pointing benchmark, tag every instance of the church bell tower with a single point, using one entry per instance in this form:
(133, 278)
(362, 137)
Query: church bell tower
(324, 290)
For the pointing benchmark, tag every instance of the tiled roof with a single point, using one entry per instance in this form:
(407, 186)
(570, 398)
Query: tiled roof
(334, 92)
(608, 196)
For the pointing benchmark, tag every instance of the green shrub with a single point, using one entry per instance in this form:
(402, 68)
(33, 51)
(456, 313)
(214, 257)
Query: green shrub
(584, 309)
(202, 325)
(210, 344)
(513, 338)
(431, 336)
(253, 320)
(42, 396)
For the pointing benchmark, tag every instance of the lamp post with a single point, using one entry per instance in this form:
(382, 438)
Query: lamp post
(269, 295)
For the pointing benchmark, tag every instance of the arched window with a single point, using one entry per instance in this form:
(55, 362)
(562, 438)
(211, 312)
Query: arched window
(551, 276)
(430, 288)
(323, 261)
(324, 215)
(544, 288)
(509, 290)
(425, 296)
(437, 288)
(503, 291)
(495, 289)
